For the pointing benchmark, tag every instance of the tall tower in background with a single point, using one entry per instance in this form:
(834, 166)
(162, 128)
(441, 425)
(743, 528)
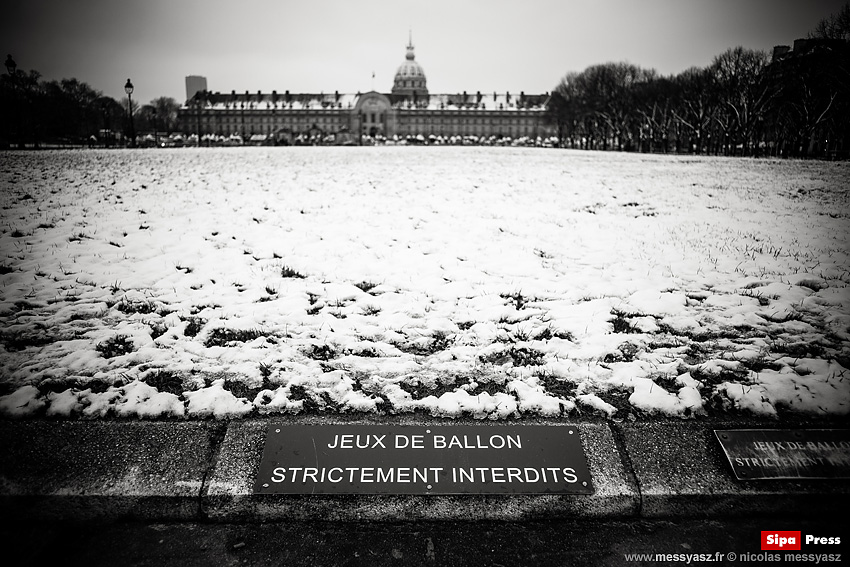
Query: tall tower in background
(195, 83)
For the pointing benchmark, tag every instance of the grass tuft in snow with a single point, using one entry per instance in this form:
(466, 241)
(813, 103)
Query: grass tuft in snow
(526, 356)
(517, 298)
(622, 323)
(166, 381)
(240, 389)
(288, 272)
(193, 326)
(118, 345)
(20, 340)
(131, 307)
(548, 333)
(556, 386)
(626, 352)
(223, 336)
(365, 286)
(322, 352)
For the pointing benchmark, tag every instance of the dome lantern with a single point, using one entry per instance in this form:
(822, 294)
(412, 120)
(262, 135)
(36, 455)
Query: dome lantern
(410, 77)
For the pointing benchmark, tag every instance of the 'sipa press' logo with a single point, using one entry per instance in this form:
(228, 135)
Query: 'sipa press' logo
(775, 541)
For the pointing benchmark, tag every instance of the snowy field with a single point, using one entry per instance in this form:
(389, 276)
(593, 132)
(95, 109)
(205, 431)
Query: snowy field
(485, 282)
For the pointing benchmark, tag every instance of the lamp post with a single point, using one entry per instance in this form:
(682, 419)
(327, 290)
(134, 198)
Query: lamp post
(128, 88)
(198, 116)
(11, 68)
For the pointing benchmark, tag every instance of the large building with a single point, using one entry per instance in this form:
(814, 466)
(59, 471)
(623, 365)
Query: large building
(408, 111)
(194, 85)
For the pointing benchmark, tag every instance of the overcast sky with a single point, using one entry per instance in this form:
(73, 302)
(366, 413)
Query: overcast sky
(328, 45)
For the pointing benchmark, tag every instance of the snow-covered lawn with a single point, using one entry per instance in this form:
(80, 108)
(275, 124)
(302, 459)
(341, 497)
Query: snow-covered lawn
(489, 282)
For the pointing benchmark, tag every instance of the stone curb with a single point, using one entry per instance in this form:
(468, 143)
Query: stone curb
(682, 471)
(204, 471)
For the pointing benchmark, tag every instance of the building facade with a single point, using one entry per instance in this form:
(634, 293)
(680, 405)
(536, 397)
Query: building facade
(408, 111)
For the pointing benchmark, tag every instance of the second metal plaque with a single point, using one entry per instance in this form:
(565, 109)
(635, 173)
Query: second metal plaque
(378, 459)
(787, 453)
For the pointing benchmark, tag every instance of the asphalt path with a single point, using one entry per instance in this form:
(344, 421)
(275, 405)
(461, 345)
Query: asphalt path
(585, 542)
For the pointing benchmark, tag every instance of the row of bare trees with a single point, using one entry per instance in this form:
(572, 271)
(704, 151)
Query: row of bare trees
(34, 112)
(790, 103)
(742, 104)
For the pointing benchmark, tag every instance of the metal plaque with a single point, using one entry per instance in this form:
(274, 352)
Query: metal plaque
(787, 453)
(438, 459)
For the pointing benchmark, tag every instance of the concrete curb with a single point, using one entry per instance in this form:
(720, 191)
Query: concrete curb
(95, 470)
(682, 472)
(204, 471)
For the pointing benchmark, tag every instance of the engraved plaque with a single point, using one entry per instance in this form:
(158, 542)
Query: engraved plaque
(787, 453)
(439, 459)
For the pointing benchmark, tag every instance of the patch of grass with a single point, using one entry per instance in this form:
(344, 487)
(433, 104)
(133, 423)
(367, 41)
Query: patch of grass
(761, 363)
(96, 385)
(438, 341)
(548, 333)
(297, 392)
(517, 298)
(799, 350)
(288, 272)
(265, 371)
(419, 390)
(240, 390)
(814, 285)
(492, 388)
(620, 400)
(78, 237)
(193, 326)
(118, 345)
(712, 379)
(626, 352)
(366, 287)
(525, 356)
(369, 352)
(764, 300)
(166, 381)
(621, 322)
(157, 329)
(222, 336)
(665, 381)
(198, 308)
(371, 310)
(21, 340)
(322, 352)
(557, 386)
(131, 307)
(781, 318)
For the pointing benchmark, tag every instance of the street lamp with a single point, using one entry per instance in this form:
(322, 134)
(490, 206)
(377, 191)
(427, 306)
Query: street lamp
(11, 68)
(128, 88)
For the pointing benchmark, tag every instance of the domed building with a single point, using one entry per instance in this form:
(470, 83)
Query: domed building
(410, 78)
(408, 111)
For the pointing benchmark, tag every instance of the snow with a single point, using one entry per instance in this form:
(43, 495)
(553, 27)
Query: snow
(484, 282)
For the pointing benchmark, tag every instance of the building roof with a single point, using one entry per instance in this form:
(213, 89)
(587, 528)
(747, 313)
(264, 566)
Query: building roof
(348, 101)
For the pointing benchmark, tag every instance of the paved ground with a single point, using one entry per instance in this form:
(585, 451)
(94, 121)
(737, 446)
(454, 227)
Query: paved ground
(585, 542)
(181, 493)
